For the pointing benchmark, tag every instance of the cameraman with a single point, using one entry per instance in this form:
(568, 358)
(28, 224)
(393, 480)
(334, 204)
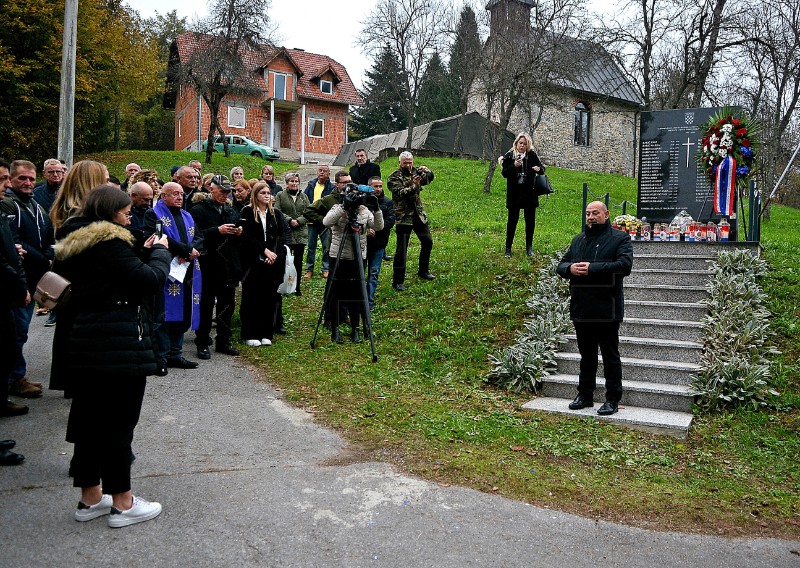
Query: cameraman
(355, 215)
(405, 185)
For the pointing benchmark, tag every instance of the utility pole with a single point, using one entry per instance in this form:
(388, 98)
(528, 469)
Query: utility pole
(66, 107)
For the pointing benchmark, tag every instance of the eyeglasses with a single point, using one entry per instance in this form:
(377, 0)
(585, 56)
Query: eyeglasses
(54, 173)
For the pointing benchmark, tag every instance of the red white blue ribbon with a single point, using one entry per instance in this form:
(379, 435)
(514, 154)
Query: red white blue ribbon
(725, 187)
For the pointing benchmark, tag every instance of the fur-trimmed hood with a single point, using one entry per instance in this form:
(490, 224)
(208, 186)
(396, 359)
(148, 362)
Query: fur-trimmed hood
(88, 235)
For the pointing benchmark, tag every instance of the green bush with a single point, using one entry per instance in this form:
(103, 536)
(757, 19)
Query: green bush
(735, 371)
(523, 366)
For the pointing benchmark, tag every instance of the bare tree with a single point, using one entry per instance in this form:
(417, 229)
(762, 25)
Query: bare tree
(767, 82)
(414, 30)
(532, 69)
(220, 65)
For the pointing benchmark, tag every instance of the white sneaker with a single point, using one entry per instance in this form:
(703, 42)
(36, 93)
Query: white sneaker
(89, 512)
(266, 341)
(253, 343)
(141, 511)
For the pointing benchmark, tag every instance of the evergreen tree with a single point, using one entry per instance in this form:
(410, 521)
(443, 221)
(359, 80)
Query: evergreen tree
(464, 54)
(437, 98)
(383, 94)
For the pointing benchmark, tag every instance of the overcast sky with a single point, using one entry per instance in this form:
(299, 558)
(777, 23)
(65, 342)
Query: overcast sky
(328, 27)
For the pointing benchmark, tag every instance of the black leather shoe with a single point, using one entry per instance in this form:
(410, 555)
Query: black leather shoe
(581, 402)
(508, 252)
(607, 409)
(387, 257)
(10, 458)
(227, 349)
(355, 336)
(182, 363)
(426, 276)
(399, 287)
(282, 330)
(203, 353)
(529, 251)
(162, 368)
(7, 444)
(335, 336)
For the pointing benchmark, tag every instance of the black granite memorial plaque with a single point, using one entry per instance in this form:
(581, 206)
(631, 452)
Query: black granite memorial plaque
(669, 179)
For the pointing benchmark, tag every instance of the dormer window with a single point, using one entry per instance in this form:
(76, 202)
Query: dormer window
(326, 86)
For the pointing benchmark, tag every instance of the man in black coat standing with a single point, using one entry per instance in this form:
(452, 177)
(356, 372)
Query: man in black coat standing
(595, 264)
(363, 170)
(220, 265)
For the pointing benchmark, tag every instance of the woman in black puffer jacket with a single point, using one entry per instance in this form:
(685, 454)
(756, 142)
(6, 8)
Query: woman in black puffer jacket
(107, 351)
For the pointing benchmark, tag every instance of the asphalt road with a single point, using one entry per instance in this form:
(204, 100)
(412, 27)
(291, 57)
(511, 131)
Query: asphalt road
(242, 480)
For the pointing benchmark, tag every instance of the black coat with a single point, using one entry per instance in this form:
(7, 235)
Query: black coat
(219, 255)
(362, 174)
(598, 296)
(105, 324)
(521, 195)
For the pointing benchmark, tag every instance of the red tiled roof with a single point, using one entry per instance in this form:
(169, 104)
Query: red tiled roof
(310, 67)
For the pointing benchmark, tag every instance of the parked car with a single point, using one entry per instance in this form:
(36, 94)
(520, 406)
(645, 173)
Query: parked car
(238, 144)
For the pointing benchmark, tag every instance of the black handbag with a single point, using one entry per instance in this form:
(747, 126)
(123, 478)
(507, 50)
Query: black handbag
(541, 185)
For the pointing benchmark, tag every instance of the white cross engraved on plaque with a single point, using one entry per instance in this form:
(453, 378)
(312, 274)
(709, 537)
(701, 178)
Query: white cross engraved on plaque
(688, 145)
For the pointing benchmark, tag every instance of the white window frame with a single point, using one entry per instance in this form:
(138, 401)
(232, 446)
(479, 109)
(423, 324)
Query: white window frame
(312, 121)
(323, 83)
(275, 75)
(237, 117)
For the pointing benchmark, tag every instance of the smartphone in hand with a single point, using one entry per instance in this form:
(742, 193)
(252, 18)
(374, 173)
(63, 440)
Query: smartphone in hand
(159, 229)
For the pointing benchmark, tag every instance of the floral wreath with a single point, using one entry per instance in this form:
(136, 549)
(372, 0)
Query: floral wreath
(726, 134)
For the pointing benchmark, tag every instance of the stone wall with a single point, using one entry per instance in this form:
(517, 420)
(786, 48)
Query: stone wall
(613, 138)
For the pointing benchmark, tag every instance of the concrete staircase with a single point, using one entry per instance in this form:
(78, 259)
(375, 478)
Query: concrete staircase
(660, 340)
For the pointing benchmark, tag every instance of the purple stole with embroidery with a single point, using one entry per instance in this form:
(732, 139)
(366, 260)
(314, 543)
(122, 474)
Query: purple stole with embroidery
(173, 290)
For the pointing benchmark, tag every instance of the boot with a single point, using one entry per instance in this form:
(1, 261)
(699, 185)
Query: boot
(335, 335)
(355, 336)
(508, 252)
(529, 251)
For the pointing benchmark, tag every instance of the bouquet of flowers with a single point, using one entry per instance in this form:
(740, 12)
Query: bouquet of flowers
(728, 154)
(627, 222)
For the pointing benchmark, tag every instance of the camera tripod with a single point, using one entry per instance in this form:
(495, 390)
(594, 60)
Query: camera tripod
(353, 233)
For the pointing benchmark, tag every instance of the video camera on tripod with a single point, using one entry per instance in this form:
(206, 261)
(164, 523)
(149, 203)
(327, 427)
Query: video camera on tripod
(353, 196)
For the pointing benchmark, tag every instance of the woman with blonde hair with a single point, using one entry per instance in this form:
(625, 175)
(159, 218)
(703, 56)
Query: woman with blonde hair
(237, 173)
(81, 178)
(520, 168)
(241, 195)
(268, 175)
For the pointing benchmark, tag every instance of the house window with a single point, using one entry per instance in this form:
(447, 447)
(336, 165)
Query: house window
(326, 87)
(316, 127)
(582, 123)
(236, 117)
(279, 86)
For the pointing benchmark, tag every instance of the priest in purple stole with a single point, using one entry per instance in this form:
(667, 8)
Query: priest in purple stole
(181, 298)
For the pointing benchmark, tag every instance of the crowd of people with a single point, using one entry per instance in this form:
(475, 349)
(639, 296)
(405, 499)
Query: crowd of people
(148, 260)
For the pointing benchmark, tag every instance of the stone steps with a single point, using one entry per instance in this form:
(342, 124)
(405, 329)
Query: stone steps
(664, 422)
(659, 276)
(658, 328)
(689, 311)
(635, 393)
(673, 262)
(651, 370)
(660, 340)
(654, 348)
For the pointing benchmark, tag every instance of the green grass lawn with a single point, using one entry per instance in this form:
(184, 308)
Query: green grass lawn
(424, 406)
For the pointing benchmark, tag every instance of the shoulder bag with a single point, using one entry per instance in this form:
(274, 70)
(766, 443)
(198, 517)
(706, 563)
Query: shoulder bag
(541, 185)
(52, 290)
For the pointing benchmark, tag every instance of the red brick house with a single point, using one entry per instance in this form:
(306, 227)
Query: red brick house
(303, 107)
